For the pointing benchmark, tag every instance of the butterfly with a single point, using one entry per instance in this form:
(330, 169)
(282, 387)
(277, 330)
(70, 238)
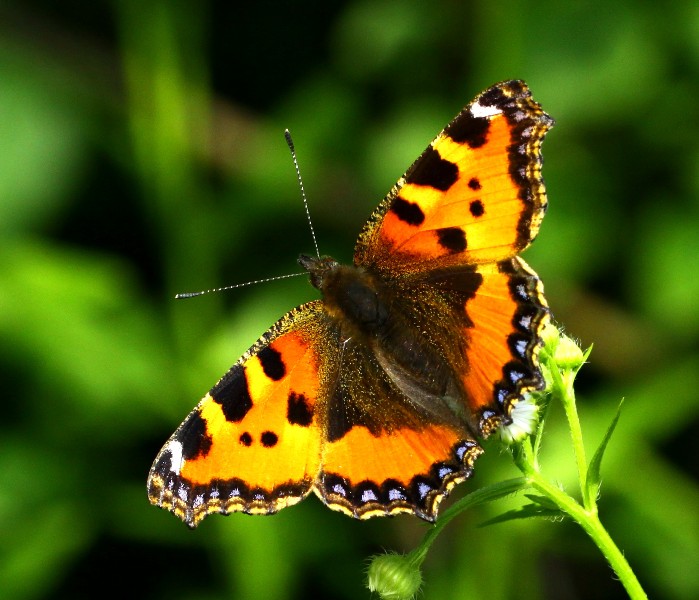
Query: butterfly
(375, 397)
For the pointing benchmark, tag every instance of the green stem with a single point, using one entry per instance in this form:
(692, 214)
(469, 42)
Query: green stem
(585, 515)
(563, 388)
(589, 521)
(486, 494)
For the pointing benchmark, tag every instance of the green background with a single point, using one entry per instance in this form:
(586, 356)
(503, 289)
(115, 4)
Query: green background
(141, 154)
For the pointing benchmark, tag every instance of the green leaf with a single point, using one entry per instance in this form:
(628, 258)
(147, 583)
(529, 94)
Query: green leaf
(593, 478)
(486, 494)
(543, 501)
(528, 511)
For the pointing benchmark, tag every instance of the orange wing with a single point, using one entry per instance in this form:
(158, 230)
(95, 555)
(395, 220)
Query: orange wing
(405, 470)
(297, 413)
(506, 316)
(453, 226)
(253, 443)
(391, 446)
(474, 196)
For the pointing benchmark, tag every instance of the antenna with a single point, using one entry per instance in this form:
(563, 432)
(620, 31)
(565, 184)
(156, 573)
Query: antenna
(290, 143)
(236, 285)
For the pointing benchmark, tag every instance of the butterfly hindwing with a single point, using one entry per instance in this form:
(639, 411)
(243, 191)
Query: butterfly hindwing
(405, 470)
(388, 451)
(504, 317)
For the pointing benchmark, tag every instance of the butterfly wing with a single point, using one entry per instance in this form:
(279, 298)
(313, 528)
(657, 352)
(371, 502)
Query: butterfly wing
(253, 443)
(451, 230)
(474, 196)
(504, 317)
(386, 451)
(305, 410)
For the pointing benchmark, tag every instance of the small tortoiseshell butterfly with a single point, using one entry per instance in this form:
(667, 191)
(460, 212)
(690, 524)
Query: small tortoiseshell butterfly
(374, 396)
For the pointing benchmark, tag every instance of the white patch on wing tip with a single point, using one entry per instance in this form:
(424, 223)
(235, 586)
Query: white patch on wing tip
(176, 458)
(478, 110)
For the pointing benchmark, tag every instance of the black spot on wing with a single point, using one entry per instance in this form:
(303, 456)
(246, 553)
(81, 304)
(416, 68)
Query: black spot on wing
(434, 171)
(269, 439)
(245, 439)
(298, 412)
(469, 129)
(162, 466)
(474, 183)
(496, 97)
(232, 393)
(408, 212)
(452, 239)
(194, 437)
(272, 363)
(477, 209)
(463, 279)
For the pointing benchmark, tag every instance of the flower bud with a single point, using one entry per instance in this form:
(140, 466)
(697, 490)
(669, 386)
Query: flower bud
(394, 576)
(568, 355)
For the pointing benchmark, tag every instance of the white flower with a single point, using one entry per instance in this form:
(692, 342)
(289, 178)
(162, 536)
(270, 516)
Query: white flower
(524, 419)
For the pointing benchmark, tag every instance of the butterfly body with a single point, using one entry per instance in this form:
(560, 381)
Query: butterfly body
(388, 335)
(374, 396)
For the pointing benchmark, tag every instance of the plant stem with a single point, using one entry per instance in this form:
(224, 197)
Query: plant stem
(589, 521)
(487, 494)
(564, 390)
(585, 515)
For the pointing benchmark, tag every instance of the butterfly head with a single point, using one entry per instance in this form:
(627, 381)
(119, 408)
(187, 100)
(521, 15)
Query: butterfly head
(318, 268)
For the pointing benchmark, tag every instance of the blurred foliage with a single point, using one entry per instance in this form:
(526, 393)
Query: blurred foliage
(141, 154)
